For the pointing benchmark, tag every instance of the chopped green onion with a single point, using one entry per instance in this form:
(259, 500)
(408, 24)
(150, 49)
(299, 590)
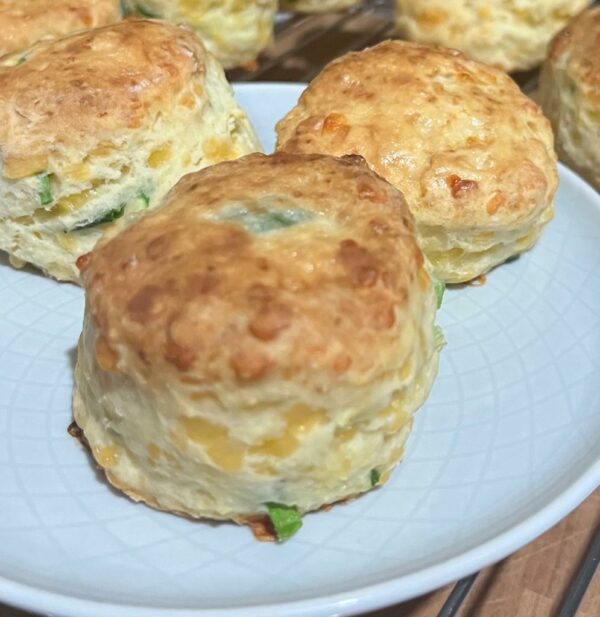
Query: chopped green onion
(263, 221)
(142, 10)
(45, 191)
(439, 288)
(109, 217)
(124, 9)
(375, 477)
(21, 59)
(439, 338)
(286, 520)
(145, 198)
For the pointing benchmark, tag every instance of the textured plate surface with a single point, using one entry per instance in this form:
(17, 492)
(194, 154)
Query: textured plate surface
(508, 443)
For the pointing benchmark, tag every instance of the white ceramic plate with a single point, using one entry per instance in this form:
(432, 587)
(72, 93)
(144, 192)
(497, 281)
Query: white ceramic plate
(508, 443)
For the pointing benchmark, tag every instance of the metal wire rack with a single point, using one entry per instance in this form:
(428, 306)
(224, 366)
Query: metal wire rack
(303, 45)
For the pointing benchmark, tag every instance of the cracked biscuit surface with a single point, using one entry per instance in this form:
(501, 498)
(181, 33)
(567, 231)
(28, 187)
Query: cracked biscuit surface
(264, 336)
(96, 127)
(24, 23)
(512, 35)
(570, 94)
(473, 155)
(235, 31)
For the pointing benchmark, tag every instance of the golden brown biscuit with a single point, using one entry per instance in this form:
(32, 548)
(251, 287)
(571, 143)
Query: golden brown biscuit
(100, 125)
(264, 336)
(471, 153)
(22, 23)
(510, 35)
(570, 94)
(235, 31)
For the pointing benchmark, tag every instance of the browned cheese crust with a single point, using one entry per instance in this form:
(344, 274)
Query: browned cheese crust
(188, 289)
(124, 73)
(570, 94)
(580, 40)
(23, 22)
(466, 147)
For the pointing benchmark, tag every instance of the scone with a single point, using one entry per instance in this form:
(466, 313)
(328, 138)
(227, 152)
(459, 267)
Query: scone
(570, 94)
(316, 6)
(235, 31)
(96, 127)
(473, 156)
(22, 23)
(510, 35)
(261, 340)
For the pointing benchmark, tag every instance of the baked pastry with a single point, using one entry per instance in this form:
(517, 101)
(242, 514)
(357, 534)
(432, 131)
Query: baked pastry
(98, 126)
(512, 36)
(570, 94)
(235, 31)
(24, 23)
(316, 6)
(472, 154)
(264, 337)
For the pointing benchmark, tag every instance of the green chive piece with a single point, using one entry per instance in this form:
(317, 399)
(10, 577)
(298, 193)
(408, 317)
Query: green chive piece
(109, 217)
(439, 288)
(263, 221)
(142, 10)
(145, 198)
(45, 191)
(375, 477)
(439, 338)
(286, 520)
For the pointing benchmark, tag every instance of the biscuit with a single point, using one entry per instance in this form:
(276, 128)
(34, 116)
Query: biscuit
(264, 336)
(570, 94)
(235, 31)
(24, 23)
(316, 6)
(98, 126)
(473, 155)
(512, 36)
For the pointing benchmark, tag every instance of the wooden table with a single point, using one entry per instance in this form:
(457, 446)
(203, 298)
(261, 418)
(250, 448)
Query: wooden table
(530, 583)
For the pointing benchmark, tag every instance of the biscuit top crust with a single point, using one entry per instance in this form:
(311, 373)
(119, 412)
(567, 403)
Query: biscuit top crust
(22, 23)
(76, 91)
(268, 266)
(461, 141)
(577, 47)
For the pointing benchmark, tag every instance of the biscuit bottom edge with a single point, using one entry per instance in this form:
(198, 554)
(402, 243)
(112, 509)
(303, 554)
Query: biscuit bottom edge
(260, 524)
(456, 260)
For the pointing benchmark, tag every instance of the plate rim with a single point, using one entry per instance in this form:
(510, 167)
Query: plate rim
(361, 599)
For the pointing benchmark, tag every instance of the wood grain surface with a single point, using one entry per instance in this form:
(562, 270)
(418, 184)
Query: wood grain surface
(530, 583)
